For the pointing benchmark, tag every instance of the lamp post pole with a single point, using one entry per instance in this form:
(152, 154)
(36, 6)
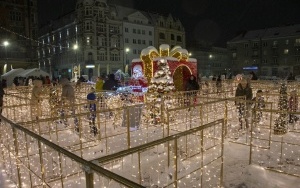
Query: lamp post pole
(5, 44)
(75, 48)
(210, 58)
(50, 69)
(126, 63)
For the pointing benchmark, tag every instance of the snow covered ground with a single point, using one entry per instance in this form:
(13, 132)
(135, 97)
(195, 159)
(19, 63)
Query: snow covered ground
(237, 172)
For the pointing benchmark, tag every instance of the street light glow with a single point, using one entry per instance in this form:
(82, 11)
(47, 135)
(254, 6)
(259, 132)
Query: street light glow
(75, 47)
(190, 54)
(5, 43)
(127, 50)
(210, 56)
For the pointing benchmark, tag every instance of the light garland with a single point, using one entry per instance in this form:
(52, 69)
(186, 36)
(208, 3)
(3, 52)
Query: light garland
(31, 39)
(157, 164)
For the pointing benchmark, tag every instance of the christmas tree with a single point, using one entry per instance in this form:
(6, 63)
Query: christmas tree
(281, 121)
(161, 83)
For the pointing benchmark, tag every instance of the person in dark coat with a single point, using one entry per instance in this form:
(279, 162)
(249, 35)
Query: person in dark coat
(219, 84)
(111, 83)
(253, 76)
(244, 90)
(291, 77)
(192, 84)
(91, 97)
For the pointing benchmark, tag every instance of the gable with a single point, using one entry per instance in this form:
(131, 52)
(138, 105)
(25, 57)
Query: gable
(138, 17)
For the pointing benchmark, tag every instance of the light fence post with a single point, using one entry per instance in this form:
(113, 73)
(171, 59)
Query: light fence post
(17, 155)
(175, 163)
(222, 153)
(226, 117)
(270, 132)
(128, 127)
(89, 177)
(42, 163)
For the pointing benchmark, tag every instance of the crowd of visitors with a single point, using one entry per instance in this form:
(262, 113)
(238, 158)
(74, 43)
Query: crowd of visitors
(193, 84)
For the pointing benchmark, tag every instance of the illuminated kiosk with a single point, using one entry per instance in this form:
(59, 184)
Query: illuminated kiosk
(181, 66)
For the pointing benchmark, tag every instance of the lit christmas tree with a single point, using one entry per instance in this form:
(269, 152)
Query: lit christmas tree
(161, 83)
(281, 121)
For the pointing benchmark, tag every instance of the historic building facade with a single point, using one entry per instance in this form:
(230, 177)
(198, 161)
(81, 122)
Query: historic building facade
(101, 38)
(269, 52)
(18, 33)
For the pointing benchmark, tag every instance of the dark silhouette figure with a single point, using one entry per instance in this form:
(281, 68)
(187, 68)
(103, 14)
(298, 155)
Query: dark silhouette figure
(111, 83)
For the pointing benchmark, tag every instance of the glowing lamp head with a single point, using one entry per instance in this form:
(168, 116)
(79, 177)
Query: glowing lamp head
(5, 43)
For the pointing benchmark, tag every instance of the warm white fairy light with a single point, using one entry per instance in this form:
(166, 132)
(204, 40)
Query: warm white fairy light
(157, 177)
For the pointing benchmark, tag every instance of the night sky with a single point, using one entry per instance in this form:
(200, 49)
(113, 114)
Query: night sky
(209, 21)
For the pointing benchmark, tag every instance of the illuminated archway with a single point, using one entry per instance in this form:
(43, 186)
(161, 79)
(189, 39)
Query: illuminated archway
(181, 74)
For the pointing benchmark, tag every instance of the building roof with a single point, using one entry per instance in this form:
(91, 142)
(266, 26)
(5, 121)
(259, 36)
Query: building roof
(268, 33)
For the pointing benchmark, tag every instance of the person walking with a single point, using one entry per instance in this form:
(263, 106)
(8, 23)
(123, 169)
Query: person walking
(244, 90)
(111, 83)
(68, 101)
(293, 106)
(91, 97)
(192, 87)
(99, 84)
(36, 98)
(219, 84)
(259, 103)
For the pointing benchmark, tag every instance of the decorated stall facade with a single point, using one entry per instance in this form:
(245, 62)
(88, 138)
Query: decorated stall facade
(180, 65)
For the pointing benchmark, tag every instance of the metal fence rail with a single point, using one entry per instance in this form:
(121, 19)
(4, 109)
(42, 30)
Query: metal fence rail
(192, 157)
(34, 161)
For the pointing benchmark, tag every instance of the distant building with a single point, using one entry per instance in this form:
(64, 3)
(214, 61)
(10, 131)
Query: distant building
(19, 28)
(268, 52)
(211, 60)
(108, 37)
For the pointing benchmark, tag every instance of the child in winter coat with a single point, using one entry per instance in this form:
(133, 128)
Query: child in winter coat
(293, 106)
(68, 100)
(36, 98)
(259, 104)
(91, 97)
(244, 90)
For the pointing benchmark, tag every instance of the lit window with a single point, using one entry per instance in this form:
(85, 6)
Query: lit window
(88, 40)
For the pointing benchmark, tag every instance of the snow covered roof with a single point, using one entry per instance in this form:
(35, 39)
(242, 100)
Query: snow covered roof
(275, 32)
(9, 76)
(12, 72)
(33, 72)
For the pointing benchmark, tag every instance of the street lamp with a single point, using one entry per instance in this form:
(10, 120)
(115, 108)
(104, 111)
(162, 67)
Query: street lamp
(209, 63)
(75, 48)
(5, 44)
(126, 61)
